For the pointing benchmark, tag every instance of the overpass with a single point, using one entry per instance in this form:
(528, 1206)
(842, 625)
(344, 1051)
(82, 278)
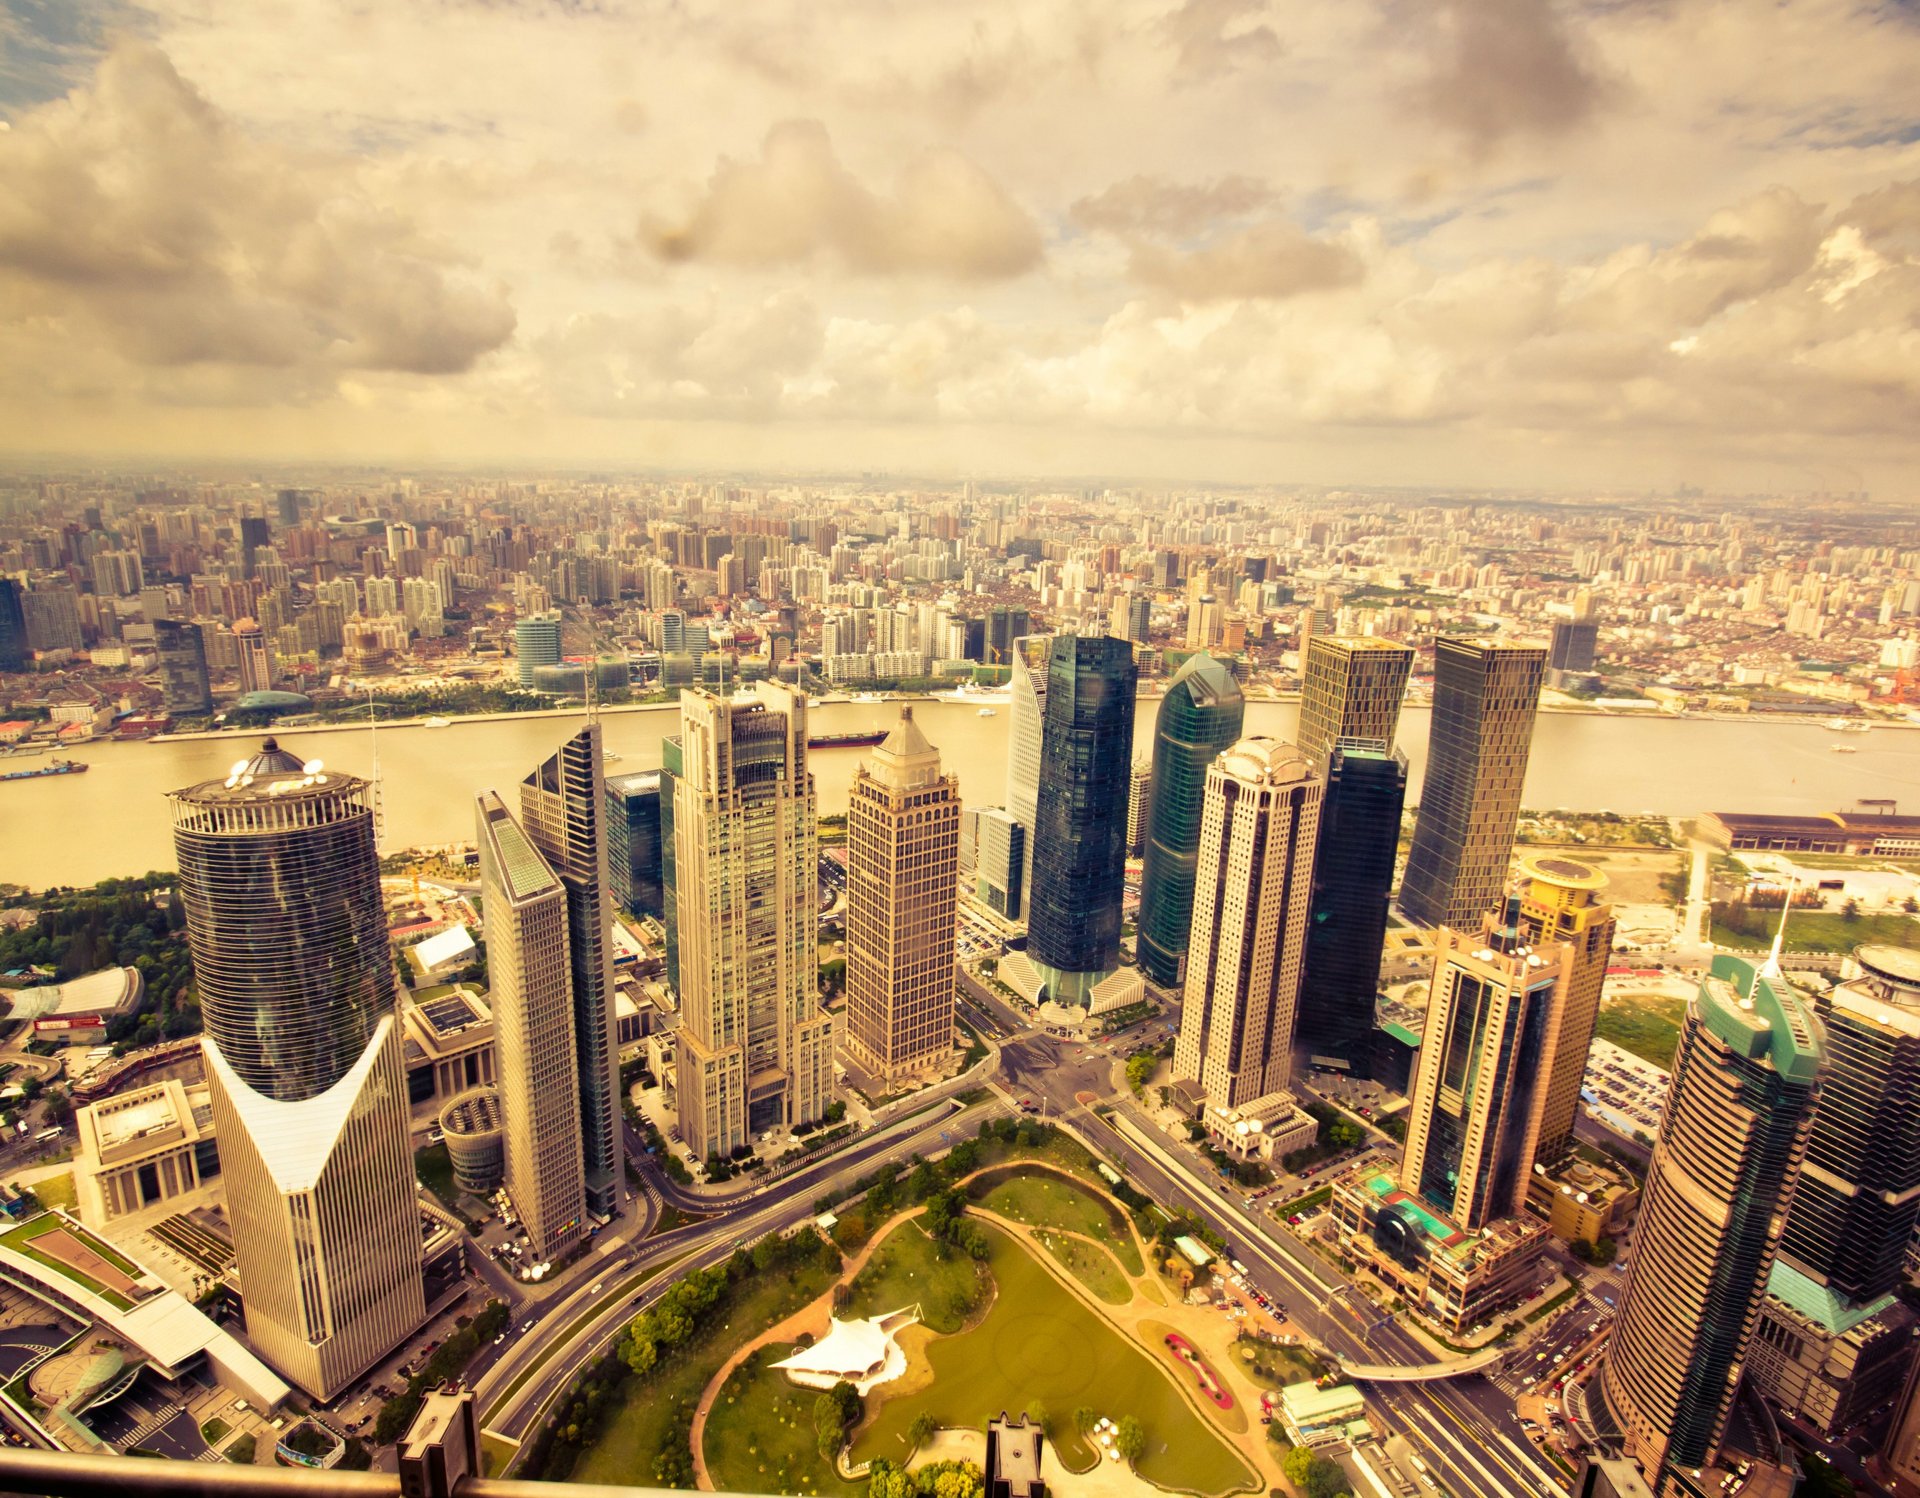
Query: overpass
(1422, 1373)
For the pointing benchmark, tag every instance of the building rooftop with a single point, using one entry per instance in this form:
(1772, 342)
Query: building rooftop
(1827, 1309)
(112, 990)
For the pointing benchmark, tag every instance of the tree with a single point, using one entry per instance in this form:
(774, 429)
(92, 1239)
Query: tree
(1582, 1250)
(1084, 1419)
(1130, 1439)
(1605, 1251)
(1850, 911)
(922, 1430)
(1296, 1464)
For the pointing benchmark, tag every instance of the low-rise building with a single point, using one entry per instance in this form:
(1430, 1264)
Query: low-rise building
(140, 1147)
(448, 1034)
(1823, 1360)
(1454, 1278)
(78, 1011)
(1324, 1419)
(1266, 1128)
(1583, 1201)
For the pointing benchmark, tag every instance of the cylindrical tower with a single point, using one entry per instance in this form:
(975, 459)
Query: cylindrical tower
(475, 1128)
(281, 883)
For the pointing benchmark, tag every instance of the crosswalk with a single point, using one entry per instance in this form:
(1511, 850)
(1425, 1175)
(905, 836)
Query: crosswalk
(153, 1422)
(1510, 1377)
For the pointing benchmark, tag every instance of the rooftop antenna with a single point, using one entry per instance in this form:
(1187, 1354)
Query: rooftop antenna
(1771, 968)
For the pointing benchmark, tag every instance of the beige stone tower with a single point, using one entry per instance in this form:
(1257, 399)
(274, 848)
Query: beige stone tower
(1563, 900)
(903, 865)
(535, 1065)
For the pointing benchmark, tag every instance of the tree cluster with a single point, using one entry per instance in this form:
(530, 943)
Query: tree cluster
(1315, 1475)
(934, 1480)
(448, 1359)
(834, 1414)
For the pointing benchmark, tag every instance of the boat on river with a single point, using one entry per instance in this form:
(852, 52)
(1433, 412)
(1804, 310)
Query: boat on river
(54, 767)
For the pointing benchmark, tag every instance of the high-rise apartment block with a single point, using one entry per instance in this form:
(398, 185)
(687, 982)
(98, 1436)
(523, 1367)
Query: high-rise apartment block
(530, 972)
(1139, 802)
(1350, 693)
(563, 811)
(1739, 1111)
(1254, 874)
(1200, 716)
(1485, 695)
(255, 656)
(903, 862)
(1562, 901)
(1080, 819)
(755, 1048)
(281, 883)
(1481, 1086)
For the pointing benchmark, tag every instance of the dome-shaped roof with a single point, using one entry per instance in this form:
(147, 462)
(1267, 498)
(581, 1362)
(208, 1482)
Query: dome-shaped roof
(1266, 761)
(271, 702)
(272, 759)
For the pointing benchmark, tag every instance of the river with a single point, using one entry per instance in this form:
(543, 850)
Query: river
(75, 829)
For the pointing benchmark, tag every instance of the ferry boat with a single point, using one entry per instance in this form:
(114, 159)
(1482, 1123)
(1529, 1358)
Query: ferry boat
(1846, 725)
(986, 712)
(857, 740)
(55, 767)
(969, 691)
(438, 723)
(1843, 749)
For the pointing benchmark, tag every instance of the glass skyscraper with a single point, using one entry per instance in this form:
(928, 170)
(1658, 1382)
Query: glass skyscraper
(1200, 716)
(633, 842)
(13, 627)
(1027, 714)
(183, 667)
(1485, 694)
(1080, 817)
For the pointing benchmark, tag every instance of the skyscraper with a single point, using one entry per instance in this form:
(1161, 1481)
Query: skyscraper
(183, 667)
(1200, 716)
(633, 841)
(1080, 820)
(999, 861)
(255, 656)
(281, 884)
(1739, 1109)
(1484, 697)
(1358, 842)
(1477, 1100)
(903, 869)
(1562, 900)
(755, 1048)
(563, 811)
(536, 643)
(1027, 713)
(1255, 869)
(1350, 692)
(1575, 645)
(530, 974)
(1139, 803)
(13, 626)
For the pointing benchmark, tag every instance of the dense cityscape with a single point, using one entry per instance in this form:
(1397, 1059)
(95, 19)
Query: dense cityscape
(908, 750)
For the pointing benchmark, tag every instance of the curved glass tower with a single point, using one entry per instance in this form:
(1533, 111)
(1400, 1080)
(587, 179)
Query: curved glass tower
(1200, 716)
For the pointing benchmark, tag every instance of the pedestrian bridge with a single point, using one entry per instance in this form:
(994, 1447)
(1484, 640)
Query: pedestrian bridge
(1423, 1373)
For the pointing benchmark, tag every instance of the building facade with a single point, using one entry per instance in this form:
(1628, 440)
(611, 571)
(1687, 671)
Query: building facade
(1255, 871)
(255, 657)
(1026, 728)
(1738, 1115)
(281, 884)
(530, 970)
(999, 862)
(1080, 820)
(1485, 695)
(563, 811)
(903, 870)
(755, 1048)
(1562, 901)
(1480, 1091)
(13, 626)
(633, 842)
(536, 643)
(1200, 716)
(1139, 800)
(1351, 687)
(183, 667)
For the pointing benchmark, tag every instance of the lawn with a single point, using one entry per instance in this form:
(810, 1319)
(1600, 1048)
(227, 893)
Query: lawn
(56, 1192)
(20, 1240)
(1819, 931)
(1646, 1024)
(906, 1269)
(1036, 1348)
(434, 1168)
(214, 1431)
(658, 1408)
(1276, 1367)
(1090, 1264)
(760, 1435)
(1045, 1200)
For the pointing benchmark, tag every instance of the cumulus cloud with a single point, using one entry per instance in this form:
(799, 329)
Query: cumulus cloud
(798, 203)
(1153, 205)
(1500, 68)
(138, 208)
(1214, 37)
(1273, 259)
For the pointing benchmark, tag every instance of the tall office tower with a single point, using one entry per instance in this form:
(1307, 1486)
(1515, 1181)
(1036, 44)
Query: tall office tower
(563, 810)
(1139, 804)
(183, 667)
(1204, 621)
(255, 536)
(1477, 1100)
(1026, 729)
(1563, 900)
(1359, 839)
(530, 970)
(13, 626)
(536, 643)
(633, 842)
(281, 884)
(1350, 692)
(288, 502)
(1575, 645)
(1484, 696)
(1080, 820)
(903, 870)
(255, 656)
(1128, 617)
(1200, 716)
(1006, 627)
(1833, 1342)
(1257, 825)
(755, 1048)
(52, 618)
(999, 861)
(1739, 1110)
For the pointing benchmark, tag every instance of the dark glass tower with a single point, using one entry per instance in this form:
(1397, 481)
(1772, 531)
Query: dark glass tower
(1199, 717)
(1080, 823)
(1485, 694)
(564, 811)
(633, 841)
(13, 627)
(284, 917)
(183, 667)
(1359, 839)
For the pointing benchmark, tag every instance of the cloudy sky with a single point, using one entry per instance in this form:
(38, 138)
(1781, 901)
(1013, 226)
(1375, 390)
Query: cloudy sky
(1590, 244)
